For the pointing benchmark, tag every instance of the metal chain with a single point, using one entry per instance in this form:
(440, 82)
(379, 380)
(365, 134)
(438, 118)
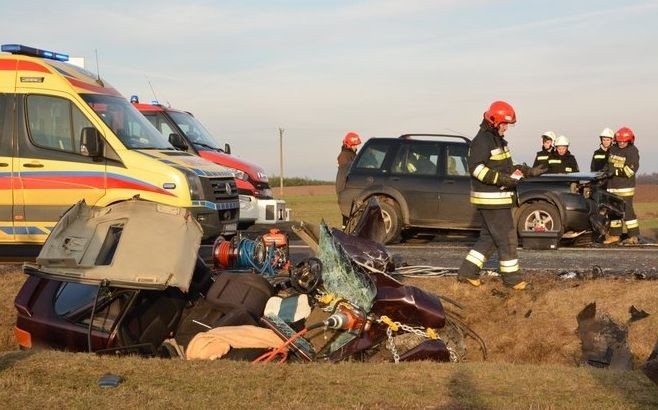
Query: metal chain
(390, 345)
(418, 331)
(415, 330)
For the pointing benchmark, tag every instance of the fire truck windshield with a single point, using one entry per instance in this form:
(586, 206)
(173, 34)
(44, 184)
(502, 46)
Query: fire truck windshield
(132, 128)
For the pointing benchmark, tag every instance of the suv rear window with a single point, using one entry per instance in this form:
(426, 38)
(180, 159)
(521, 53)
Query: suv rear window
(457, 160)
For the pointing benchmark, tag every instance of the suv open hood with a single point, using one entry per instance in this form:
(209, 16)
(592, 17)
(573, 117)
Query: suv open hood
(131, 244)
(583, 177)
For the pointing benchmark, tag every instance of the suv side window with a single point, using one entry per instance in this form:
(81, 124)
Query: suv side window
(55, 123)
(456, 160)
(373, 156)
(417, 159)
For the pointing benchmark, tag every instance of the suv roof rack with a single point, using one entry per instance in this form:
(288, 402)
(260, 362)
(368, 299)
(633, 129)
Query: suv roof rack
(410, 136)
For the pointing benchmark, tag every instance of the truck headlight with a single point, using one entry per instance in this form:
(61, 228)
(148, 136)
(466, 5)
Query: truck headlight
(237, 174)
(194, 183)
(264, 193)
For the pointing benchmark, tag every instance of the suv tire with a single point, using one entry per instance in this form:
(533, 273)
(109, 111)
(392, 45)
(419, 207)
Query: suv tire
(391, 215)
(539, 217)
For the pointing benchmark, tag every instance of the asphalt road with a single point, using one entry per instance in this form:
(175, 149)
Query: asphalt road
(449, 255)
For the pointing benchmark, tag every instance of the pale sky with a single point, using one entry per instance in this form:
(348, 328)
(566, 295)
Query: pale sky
(318, 69)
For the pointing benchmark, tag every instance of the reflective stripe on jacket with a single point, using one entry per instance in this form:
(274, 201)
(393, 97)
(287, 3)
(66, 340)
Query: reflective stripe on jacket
(561, 164)
(488, 159)
(599, 159)
(625, 162)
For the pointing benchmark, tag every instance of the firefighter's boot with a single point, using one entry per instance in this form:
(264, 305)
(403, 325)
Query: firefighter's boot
(471, 281)
(631, 240)
(516, 281)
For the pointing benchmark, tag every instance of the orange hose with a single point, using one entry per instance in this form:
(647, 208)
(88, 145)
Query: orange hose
(283, 349)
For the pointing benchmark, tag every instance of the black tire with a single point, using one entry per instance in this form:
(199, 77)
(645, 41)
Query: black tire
(392, 219)
(539, 217)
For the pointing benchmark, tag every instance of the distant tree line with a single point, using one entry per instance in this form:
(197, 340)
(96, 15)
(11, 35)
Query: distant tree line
(275, 182)
(296, 181)
(647, 178)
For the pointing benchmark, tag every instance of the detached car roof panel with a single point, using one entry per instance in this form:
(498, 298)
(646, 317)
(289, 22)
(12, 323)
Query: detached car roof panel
(131, 244)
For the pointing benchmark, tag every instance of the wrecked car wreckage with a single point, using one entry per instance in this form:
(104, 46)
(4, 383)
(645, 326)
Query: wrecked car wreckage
(128, 279)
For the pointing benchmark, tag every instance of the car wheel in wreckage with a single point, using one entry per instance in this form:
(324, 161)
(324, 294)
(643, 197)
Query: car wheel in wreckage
(392, 219)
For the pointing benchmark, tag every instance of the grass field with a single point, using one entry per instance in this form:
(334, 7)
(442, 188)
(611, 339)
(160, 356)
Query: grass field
(533, 354)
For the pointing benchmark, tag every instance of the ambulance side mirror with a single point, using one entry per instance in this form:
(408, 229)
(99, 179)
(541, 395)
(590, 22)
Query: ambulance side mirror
(178, 141)
(91, 143)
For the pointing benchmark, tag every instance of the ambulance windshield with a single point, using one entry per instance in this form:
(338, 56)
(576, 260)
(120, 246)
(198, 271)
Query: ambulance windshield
(132, 128)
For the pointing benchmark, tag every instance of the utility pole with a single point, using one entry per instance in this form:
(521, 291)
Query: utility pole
(281, 131)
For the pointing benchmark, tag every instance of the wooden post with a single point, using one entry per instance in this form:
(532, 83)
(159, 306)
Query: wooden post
(281, 130)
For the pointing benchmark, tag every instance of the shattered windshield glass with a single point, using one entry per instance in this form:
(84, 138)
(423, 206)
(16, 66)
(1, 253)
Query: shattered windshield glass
(339, 275)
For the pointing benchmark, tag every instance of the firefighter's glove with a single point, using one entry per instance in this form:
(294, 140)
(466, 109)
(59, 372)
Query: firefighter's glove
(609, 172)
(506, 181)
(523, 167)
(614, 172)
(536, 171)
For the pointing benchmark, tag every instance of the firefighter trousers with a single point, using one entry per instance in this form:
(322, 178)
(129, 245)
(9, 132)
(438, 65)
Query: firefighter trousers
(630, 220)
(497, 234)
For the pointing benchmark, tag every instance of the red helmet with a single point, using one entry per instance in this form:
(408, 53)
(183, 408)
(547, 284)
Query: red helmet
(625, 134)
(351, 139)
(500, 112)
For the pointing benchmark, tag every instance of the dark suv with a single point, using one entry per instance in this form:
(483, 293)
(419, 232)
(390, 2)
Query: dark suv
(422, 184)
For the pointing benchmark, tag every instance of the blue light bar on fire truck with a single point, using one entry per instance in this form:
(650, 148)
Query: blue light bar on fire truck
(34, 52)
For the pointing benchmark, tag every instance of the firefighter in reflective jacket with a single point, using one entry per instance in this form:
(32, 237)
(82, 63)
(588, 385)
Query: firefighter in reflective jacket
(493, 183)
(600, 156)
(561, 161)
(542, 155)
(623, 163)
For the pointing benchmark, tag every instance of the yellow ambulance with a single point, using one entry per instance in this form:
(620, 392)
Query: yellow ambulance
(67, 135)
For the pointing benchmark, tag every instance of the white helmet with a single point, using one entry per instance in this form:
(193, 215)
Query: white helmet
(561, 141)
(549, 134)
(607, 133)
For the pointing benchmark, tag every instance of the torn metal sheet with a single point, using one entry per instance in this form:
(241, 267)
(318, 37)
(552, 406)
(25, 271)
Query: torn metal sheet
(131, 244)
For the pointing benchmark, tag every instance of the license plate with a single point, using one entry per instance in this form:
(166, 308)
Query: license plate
(230, 227)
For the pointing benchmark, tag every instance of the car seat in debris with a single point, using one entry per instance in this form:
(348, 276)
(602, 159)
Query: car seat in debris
(153, 318)
(201, 279)
(240, 290)
(234, 299)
